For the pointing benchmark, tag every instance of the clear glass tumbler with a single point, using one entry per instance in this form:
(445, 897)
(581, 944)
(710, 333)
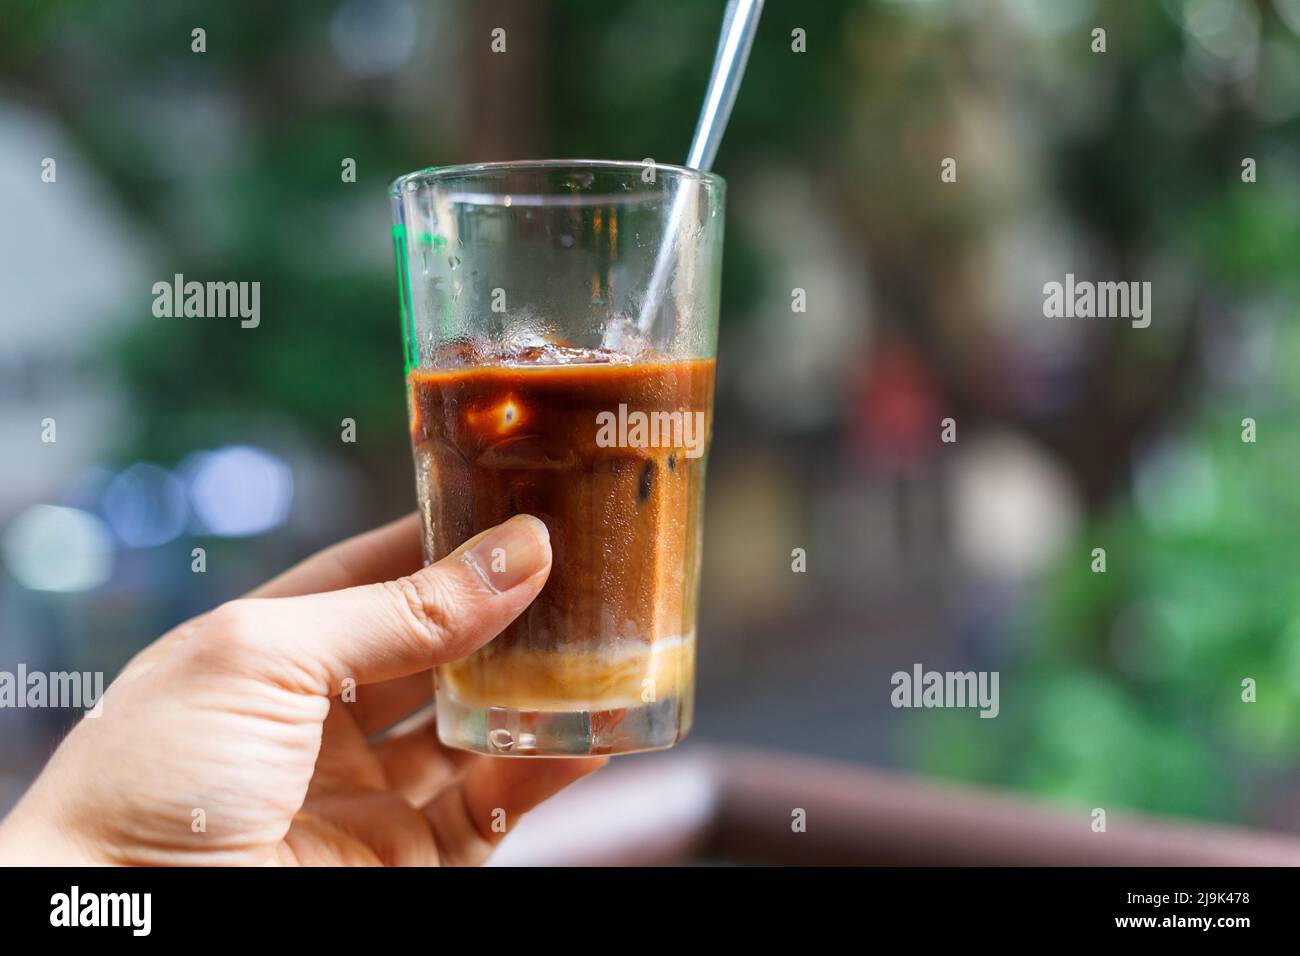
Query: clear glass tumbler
(560, 322)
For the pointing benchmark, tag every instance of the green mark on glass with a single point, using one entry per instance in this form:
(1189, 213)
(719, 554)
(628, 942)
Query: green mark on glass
(408, 331)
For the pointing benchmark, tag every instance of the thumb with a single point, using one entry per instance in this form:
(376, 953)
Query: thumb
(380, 631)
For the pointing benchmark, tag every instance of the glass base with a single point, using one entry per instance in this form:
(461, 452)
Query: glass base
(509, 732)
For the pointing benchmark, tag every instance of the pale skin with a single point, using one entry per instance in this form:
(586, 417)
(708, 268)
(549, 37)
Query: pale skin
(239, 720)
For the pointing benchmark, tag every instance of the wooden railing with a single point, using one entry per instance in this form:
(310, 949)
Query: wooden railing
(739, 806)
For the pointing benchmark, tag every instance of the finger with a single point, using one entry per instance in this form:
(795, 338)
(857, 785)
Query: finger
(378, 632)
(470, 818)
(380, 555)
(345, 761)
(379, 706)
(418, 766)
(367, 828)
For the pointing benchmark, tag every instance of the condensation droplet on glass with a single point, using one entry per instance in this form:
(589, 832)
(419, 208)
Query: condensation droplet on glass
(566, 240)
(507, 202)
(453, 261)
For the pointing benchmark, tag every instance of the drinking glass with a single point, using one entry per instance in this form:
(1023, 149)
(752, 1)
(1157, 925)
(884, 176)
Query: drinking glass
(560, 326)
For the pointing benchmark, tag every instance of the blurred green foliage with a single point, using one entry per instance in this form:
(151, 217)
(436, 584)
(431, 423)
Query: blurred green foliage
(1128, 688)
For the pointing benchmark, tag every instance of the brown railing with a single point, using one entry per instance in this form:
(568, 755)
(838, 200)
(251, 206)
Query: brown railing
(742, 807)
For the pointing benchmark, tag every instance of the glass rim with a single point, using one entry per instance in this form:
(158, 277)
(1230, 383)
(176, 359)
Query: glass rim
(432, 175)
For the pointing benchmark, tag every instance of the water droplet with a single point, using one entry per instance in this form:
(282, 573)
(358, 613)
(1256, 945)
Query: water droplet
(500, 739)
(454, 262)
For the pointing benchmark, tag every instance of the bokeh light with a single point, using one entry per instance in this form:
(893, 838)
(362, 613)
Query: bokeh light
(48, 548)
(145, 506)
(239, 491)
(373, 37)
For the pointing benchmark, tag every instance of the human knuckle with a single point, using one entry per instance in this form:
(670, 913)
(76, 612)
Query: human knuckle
(427, 607)
(231, 629)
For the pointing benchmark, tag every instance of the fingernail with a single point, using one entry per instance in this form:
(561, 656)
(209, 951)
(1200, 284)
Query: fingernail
(511, 553)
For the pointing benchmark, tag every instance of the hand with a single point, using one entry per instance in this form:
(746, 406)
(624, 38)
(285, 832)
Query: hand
(234, 720)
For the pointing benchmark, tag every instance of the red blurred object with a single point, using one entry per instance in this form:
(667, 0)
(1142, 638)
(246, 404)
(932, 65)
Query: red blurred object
(896, 413)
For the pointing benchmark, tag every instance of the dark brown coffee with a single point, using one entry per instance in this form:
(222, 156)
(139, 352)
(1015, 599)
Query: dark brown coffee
(609, 453)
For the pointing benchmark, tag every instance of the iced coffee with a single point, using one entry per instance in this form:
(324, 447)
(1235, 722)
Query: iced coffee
(609, 452)
(559, 331)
